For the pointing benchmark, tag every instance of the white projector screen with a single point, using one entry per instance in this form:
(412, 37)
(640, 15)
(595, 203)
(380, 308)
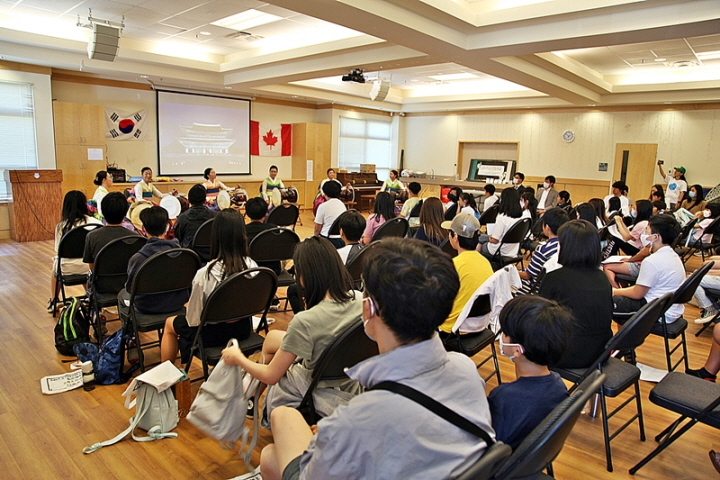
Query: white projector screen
(200, 131)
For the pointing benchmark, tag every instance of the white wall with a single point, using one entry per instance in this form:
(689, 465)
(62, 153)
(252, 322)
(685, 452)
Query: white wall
(684, 137)
(133, 155)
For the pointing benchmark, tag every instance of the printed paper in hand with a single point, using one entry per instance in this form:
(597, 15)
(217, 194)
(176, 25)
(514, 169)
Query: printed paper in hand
(615, 259)
(61, 383)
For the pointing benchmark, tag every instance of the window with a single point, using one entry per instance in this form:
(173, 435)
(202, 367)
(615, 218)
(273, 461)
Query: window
(365, 141)
(17, 130)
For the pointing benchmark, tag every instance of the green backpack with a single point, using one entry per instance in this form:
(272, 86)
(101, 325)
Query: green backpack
(72, 327)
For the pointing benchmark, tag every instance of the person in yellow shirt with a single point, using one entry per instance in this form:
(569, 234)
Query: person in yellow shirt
(471, 266)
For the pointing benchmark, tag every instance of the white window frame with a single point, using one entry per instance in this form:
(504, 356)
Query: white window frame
(18, 132)
(365, 141)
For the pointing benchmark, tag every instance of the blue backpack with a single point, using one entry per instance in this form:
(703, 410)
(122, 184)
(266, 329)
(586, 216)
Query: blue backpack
(108, 360)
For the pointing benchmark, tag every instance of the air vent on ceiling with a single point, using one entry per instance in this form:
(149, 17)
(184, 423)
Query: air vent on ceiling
(682, 64)
(247, 36)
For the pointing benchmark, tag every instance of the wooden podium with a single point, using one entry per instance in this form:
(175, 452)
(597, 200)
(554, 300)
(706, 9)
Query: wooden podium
(36, 203)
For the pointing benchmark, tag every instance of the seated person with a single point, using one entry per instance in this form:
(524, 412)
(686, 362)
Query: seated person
(431, 219)
(535, 334)
(229, 244)
(712, 281)
(551, 222)
(659, 206)
(490, 197)
(710, 370)
(564, 200)
(393, 184)
(352, 226)
(614, 208)
(114, 207)
(328, 211)
(546, 196)
(509, 214)
(190, 220)
(155, 224)
(145, 190)
(409, 290)
(453, 206)
(330, 178)
(660, 273)
(270, 183)
(384, 210)
(628, 239)
(256, 210)
(413, 190)
(709, 214)
(290, 357)
(472, 268)
(468, 205)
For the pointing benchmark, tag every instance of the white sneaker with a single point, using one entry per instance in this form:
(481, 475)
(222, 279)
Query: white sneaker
(254, 475)
(710, 313)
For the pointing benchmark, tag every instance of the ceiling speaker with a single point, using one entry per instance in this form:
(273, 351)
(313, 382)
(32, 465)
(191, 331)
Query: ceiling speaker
(104, 43)
(379, 90)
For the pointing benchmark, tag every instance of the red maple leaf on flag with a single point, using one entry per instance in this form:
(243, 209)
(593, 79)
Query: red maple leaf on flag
(270, 139)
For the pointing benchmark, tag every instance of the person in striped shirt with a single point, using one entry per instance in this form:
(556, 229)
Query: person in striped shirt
(551, 222)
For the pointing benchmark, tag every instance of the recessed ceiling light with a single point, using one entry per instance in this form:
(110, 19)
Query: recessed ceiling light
(660, 59)
(247, 19)
(207, 34)
(144, 76)
(714, 55)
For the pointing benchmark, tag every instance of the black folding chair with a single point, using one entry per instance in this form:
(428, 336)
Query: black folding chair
(671, 331)
(514, 234)
(486, 466)
(349, 349)
(489, 215)
(165, 272)
(621, 375)
(355, 267)
(396, 227)
(714, 295)
(546, 441)
(447, 248)
(285, 215)
(276, 245)
(713, 229)
(109, 276)
(71, 246)
(202, 241)
(695, 399)
(237, 298)
(677, 246)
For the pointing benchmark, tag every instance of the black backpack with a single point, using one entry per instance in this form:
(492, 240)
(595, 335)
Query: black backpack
(72, 326)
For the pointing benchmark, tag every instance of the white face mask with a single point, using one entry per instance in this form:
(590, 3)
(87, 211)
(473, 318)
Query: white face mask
(503, 345)
(372, 314)
(515, 181)
(706, 213)
(546, 185)
(644, 239)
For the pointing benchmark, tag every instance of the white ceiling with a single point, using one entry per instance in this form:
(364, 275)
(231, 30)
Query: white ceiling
(511, 53)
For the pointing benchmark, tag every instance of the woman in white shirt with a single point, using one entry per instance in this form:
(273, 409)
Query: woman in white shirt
(104, 181)
(509, 214)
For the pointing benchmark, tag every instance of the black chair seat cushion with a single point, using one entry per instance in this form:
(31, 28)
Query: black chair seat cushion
(620, 375)
(510, 260)
(285, 279)
(674, 329)
(75, 279)
(687, 395)
(621, 277)
(470, 343)
(248, 346)
(154, 321)
(106, 299)
(711, 292)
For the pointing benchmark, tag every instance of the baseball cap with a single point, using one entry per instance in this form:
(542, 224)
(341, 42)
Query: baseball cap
(464, 224)
(681, 170)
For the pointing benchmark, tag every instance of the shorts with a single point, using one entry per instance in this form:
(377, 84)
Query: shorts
(633, 269)
(292, 471)
(212, 335)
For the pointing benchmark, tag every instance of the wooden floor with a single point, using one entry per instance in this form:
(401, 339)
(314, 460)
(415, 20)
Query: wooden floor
(42, 437)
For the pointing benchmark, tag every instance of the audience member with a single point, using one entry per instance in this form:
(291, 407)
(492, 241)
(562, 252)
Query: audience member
(677, 186)
(352, 226)
(547, 197)
(695, 201)
(114, 207)
(468, 205)
(614, 208)
(490, 197)
(409, 290)
(585, 211)
(256, 210)
(528, 202)
(104, 181)
(270, 183)
(74, 214)
(384, 210)
(290, 357)
(628, 239)
(431, 219)
(413, 190)
(155, 224)
(551, 222)
(659, 206)
(660, 273)
(473, 269)
(600, 217)
(328, 211)
(657, 192)
(453, 206)
(710, 281)
(619, 191)
(144, 189)
(581, 287)
(517, 181)
(190, 220)
(535, 334)
(509, 214)
(708, 215)
(230, 255)
(710, 370)
(564, 200)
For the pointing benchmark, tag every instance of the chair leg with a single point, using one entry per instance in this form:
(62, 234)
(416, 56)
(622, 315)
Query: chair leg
(668, 354)
(684, 350)
(641, 421)
(606, 430)
(495, 360)
(669, 438)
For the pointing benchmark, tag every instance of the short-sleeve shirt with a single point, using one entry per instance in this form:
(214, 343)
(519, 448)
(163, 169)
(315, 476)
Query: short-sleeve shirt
(327, 213)
(473, 269)
(311, 331)
(100, 237)
(662, 272)
(674, 188)
(636, 231)
(502, 225)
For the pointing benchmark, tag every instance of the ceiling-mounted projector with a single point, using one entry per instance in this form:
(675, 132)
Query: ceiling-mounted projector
(356, 75)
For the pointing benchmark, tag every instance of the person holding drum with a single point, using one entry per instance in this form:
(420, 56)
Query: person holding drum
(104, 181)
(270, 184)
(393, 184)
(145, 190)
(330, 178)
(212, 184)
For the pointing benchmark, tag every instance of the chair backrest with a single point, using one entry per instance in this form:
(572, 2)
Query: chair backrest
(713, 228)
(487, 464)
(538, 281)
(111, 264)
(447, 248)
(684, 232)
(285, 215)
(546, 441)
(274, 245)
(396, 227)
(489, 215)
(350, 348)
(415, 212)
(335, 227)
(481, 306)
(517, 232)
(72, 244)
(633, 333)
(356, 266)
(202, 241)
(686, 290)
(240, 295)
(167, 271)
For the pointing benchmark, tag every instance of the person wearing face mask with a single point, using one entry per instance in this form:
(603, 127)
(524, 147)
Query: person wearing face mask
(453, 207)
(660, 273)
(627, 238)
(517, 181)
(535, 333)
(677, 186)
(371, 436)
(707, 216)
(695, 201)
(547, 197)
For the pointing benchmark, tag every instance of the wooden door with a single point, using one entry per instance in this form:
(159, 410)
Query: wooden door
(635, 164)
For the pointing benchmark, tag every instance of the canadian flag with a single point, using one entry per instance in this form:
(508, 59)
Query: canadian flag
(270, 139)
